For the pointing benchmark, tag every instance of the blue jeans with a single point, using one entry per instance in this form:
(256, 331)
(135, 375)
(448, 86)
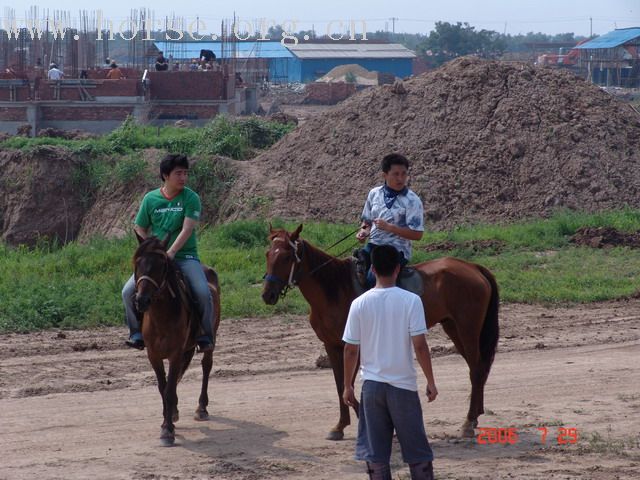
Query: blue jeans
(194, 275)
(384, 408)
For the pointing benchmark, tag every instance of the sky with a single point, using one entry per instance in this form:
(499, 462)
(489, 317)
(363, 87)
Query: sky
(411, 16)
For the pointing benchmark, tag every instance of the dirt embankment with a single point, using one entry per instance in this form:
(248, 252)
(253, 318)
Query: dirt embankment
(488, 141)
(40, 196)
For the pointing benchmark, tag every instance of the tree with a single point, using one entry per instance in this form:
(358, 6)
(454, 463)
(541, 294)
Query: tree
(449, 41)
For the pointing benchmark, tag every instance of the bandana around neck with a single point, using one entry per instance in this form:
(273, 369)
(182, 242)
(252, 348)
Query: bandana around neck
(390, 195)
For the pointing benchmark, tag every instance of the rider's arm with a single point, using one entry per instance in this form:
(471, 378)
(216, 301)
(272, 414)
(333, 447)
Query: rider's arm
(187, 229)
(143, 232)
(404, 232)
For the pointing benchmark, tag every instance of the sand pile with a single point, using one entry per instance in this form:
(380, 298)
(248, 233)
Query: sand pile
(488, 141)
(350, 73)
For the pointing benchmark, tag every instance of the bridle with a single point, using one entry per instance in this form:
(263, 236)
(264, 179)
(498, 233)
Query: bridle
(293, 276)
(164, 282)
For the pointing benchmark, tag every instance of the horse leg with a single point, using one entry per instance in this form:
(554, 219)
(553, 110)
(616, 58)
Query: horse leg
(450, 329)
(471, 421)
(186, 360)
(203, 401)
(337, 365)
(167, 434)
(478, 379)
(158, 368)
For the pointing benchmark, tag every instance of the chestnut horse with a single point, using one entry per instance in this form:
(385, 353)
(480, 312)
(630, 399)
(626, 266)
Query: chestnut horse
(169, 328)
(461, 296)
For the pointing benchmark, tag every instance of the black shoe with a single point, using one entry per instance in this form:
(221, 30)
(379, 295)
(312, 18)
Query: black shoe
(137, 344)
(205, 346)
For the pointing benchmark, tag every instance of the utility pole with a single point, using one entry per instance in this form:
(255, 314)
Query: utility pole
(393, 24)
(590, 27)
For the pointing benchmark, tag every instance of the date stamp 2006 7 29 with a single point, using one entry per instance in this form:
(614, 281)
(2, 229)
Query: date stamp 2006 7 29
(503, 436)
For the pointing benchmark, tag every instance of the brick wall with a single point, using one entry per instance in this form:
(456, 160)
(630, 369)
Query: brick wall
(129, 87)
(88, 113)
(10, 114)
(22, 93)
(187, 85)
(328, 93)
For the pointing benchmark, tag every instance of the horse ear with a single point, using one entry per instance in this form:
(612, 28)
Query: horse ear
(165, 242)
(296, 233)
(140, 239)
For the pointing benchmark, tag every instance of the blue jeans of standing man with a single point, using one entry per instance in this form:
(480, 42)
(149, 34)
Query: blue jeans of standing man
(194, 275)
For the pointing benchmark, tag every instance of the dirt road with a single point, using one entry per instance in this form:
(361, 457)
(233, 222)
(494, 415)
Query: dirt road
(76, 405)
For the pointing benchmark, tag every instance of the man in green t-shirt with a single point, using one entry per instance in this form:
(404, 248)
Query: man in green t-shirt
(173, 210)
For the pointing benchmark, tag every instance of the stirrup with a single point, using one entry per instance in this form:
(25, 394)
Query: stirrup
(137, 344)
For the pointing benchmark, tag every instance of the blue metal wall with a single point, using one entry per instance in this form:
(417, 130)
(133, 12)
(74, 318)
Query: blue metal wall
(284, 70)
(312, 69)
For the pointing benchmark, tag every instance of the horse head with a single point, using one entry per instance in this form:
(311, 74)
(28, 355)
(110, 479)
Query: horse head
(283, 256)
(151, 266)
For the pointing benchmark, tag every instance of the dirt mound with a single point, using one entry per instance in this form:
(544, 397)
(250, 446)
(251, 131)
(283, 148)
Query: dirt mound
(605, 237)
(115, 206)
(350, 72)
(488, 141)
(40, 196)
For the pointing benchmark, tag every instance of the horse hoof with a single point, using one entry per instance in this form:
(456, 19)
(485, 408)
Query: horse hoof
(167, 437)
(467, 431)
(201, 415)
(335, 435)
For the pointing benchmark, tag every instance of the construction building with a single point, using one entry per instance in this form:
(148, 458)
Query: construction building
(303, 63)
(613, 59)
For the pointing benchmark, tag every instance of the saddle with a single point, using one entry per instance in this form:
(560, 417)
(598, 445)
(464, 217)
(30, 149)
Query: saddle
(409, 278)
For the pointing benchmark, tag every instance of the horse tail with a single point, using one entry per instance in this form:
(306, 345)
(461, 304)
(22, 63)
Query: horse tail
(490, 329)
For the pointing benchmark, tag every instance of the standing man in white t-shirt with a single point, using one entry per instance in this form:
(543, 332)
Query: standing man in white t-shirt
(383, 324)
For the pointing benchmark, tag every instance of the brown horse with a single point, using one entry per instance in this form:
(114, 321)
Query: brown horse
(461, 296)
(169, 327)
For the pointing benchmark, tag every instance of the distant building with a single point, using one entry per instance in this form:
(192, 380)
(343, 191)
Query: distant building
(313, 60)
(613, 59)
(304, 62)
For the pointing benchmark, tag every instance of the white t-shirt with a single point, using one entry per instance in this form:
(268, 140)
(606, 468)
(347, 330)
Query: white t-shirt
(382, 321)
(55, 74)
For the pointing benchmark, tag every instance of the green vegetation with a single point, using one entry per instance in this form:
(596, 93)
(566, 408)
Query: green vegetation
(221, 136)
(79, 285)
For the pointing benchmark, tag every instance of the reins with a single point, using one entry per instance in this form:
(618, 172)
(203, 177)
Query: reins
(293, 278)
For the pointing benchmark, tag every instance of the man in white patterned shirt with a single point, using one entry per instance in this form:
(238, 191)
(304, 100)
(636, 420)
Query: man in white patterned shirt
(393, 214)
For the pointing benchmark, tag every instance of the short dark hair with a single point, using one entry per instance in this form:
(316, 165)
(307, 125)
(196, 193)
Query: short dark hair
(385, 259)
(394, 159)
(172, 161)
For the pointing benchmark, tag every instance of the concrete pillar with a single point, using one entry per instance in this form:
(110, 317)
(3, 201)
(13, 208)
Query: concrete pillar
(33, 115)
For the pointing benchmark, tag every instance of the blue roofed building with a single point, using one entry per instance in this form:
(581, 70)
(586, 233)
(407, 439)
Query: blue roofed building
(304, 62)
(255, 60)
(613, 59)
(313, 60)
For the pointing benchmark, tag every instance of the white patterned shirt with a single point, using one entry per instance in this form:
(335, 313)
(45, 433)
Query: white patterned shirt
(406, 212)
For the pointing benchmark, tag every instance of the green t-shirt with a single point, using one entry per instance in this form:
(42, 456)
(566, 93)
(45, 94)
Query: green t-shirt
(167, 216)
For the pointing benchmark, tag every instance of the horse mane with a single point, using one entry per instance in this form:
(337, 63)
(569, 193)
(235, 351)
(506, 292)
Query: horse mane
(333, 273)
